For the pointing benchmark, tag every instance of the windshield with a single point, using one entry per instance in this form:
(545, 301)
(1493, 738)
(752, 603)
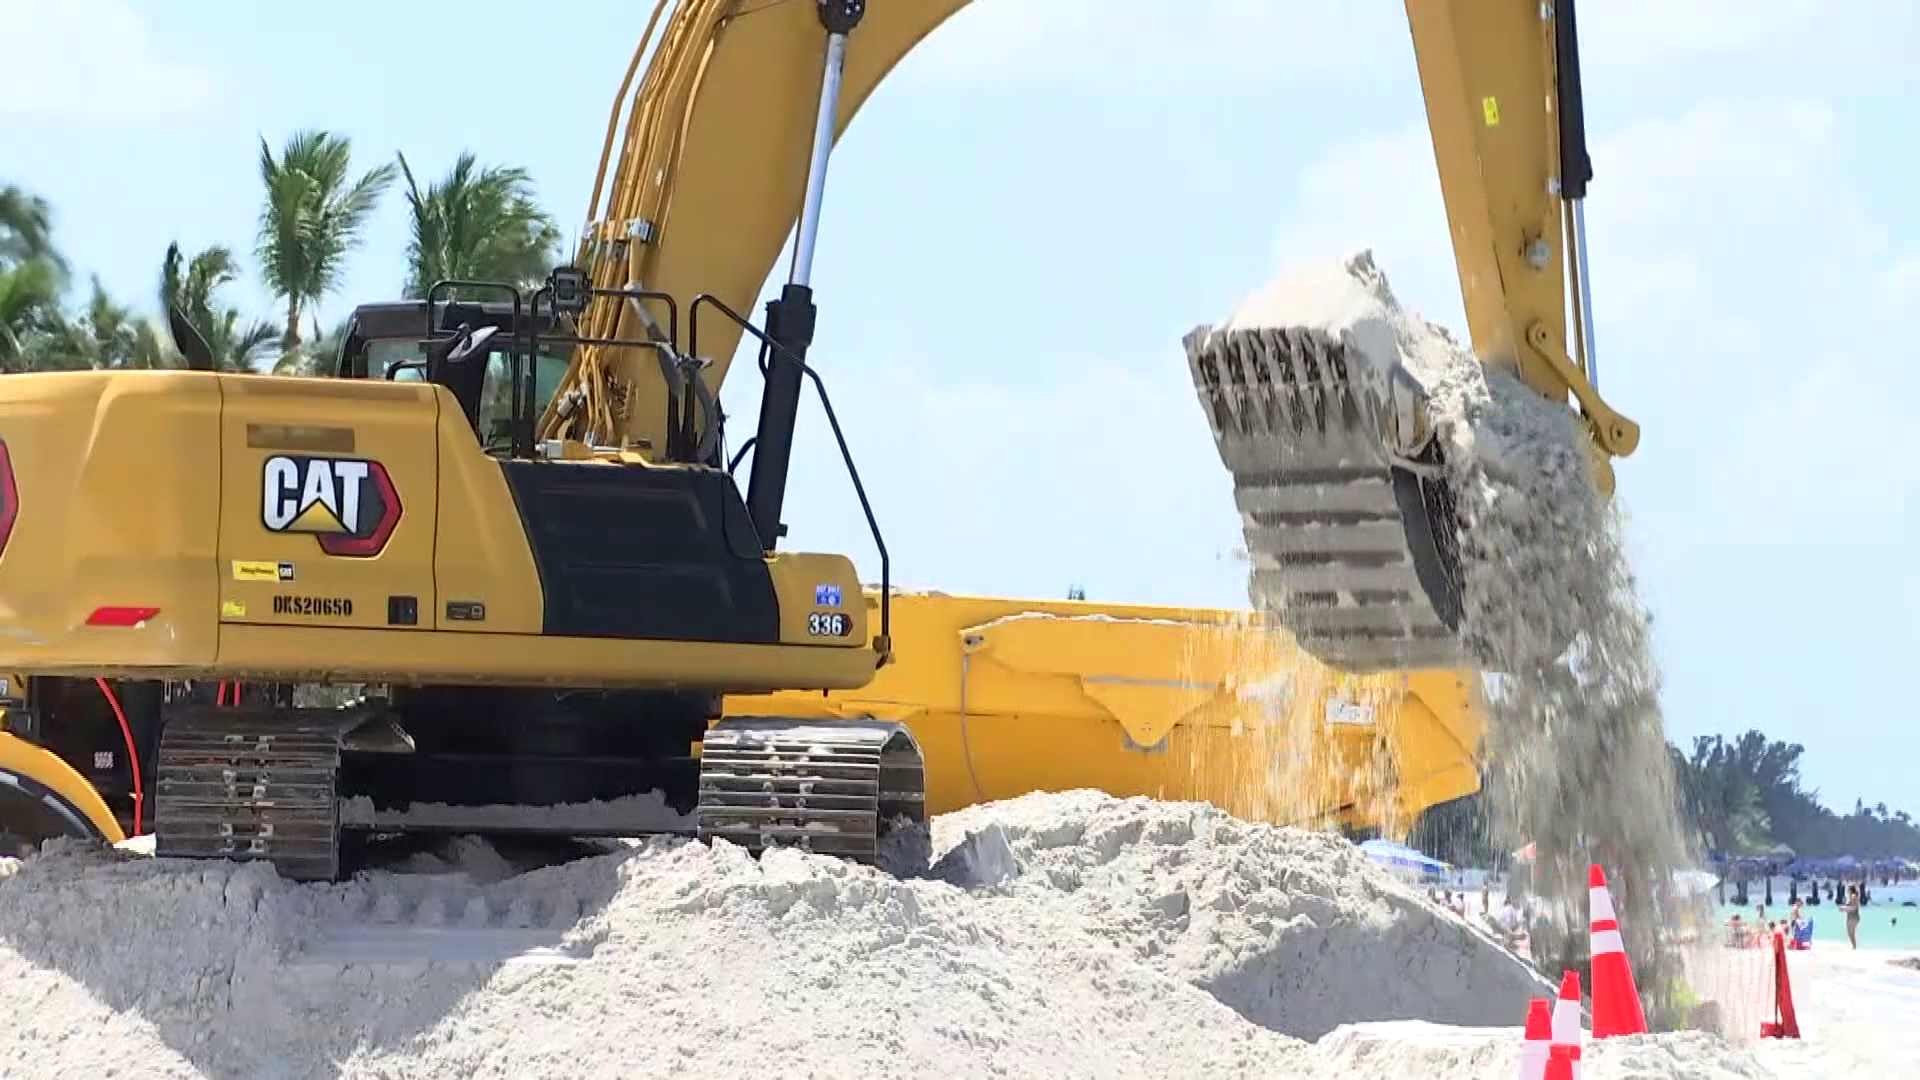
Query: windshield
(496, 412)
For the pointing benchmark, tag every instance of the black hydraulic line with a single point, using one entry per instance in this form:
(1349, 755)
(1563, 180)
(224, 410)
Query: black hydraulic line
(1576, 167)
(791, 318)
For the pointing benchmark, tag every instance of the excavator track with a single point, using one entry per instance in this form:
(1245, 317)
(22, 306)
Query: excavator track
(834, 787)
(241, 783)
(1352, 543)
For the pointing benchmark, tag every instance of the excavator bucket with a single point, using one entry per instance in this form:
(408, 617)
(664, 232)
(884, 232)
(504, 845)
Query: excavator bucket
(1349, 524)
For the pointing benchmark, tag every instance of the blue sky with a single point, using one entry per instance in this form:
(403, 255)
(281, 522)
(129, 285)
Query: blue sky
(1024, 221)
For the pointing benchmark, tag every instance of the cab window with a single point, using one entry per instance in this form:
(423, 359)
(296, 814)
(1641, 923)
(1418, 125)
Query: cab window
(496, 409)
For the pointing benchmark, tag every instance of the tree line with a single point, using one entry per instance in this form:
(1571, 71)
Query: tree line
(1746, 796)
(1741, 796)
(476, 222)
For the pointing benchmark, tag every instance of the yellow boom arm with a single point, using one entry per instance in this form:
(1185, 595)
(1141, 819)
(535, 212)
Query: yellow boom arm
(703, 185)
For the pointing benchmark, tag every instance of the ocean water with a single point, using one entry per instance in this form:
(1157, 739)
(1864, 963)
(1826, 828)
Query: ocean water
(1884, 923)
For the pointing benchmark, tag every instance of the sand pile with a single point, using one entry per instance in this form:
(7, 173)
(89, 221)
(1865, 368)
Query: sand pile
(1293, 930)
(1060, 936)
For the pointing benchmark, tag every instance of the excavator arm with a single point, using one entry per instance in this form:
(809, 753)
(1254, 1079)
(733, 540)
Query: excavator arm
(1506, 111)
(728, 129)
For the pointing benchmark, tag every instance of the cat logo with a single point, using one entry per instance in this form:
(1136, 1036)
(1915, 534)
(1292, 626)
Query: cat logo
(348, 504)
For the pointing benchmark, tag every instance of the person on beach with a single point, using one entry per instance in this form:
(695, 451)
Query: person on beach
(1852, 908)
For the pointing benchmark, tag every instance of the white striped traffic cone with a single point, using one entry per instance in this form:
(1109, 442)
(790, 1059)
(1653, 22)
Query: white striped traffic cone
(1566, 1019)
(1539, 1040)
(1616, 1002)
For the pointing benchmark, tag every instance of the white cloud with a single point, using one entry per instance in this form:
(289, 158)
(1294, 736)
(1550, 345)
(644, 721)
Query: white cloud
(1355, 43)
(1067, 39)
(1097, 475)
(1780, 358)
(90, 62)
(1380, 192)
(1898, 287)
(1756, 33)
(1826, 457)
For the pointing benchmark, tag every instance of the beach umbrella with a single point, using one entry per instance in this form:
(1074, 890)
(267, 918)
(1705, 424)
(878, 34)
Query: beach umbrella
(1694, 882)
(1401, 857)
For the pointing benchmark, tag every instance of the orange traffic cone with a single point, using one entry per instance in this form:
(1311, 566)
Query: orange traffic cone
(1563, 1063)
(1566, 1022)
(1539, 1040)
(1616, 1002)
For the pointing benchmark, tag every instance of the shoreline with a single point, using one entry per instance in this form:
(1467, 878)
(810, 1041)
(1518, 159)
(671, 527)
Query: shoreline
(1859, 1015)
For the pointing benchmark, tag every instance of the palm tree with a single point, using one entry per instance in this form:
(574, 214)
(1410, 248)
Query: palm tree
(477, 223)
(313, 217)
(26, 230)
(120, 338)
(1722, 795)
(193, 285)
(29, 308)
(32, 277)
(102, 334)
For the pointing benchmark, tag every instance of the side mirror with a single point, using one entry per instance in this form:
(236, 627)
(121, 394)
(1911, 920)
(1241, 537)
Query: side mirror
(464, 345)
(186, 339)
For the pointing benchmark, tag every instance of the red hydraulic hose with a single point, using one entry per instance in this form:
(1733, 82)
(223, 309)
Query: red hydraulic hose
(133, 755)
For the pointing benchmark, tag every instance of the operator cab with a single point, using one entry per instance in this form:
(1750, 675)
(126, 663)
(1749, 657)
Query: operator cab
(504, 360)
(384, 341)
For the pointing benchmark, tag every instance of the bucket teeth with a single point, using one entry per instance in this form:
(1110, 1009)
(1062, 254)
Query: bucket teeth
(1348, 525)
(835, 787)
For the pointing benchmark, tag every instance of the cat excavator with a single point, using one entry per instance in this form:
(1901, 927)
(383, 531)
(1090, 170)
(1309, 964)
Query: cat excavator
(497, 571)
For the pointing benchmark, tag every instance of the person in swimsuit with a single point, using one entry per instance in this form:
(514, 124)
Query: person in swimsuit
(1852, 908)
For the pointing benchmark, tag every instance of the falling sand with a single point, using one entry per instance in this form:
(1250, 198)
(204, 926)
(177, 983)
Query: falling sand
(1575, 753)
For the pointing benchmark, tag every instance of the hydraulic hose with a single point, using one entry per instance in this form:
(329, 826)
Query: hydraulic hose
(642, 184)
(133, 754)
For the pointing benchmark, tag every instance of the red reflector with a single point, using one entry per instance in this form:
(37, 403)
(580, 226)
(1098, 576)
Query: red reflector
(9, 496)
(121, 616)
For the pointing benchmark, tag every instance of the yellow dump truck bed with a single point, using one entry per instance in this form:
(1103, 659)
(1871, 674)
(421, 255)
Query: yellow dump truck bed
(1010, 696)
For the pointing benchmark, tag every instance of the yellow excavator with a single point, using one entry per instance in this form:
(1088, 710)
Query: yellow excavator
(510, 525)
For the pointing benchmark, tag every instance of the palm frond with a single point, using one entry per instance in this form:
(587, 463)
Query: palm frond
(245, 349)
(313, 216)
(26, 229)
(477, 222)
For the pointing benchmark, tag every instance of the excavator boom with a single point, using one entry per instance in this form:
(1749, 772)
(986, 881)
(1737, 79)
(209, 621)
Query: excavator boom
(724, 150)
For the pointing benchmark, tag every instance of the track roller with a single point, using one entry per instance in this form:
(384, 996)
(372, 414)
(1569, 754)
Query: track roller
(253, 783)
(835, 787)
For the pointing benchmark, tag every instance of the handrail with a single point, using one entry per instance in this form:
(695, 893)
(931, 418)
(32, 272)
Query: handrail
(670, 344)
(839, 437)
